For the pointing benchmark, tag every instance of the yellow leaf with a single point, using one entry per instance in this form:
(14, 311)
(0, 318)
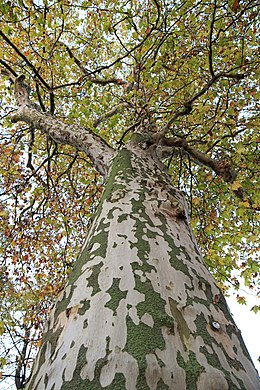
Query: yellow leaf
(2, 327)
(241, 149)
(39, 343)
(245, 203)
(235, 185)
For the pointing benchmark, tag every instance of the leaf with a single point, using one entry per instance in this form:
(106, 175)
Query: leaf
(3, 362)
(2, 327)
(39, 343)
(255, 309)
(241, 149)
(235, 185)
(245, 203)
(241, 300)
(235, 6)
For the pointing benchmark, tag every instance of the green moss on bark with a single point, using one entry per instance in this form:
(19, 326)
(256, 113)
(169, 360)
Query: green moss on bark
(116, 295)
(192, 369)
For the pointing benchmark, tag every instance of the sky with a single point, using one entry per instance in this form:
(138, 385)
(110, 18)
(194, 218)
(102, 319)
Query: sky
(249, 324)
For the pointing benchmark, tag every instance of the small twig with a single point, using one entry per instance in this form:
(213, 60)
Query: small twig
(109, 114)
(40, 98)
(179, 112)
(86, 72)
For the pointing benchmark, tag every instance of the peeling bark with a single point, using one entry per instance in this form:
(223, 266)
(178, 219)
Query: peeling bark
(140, 310)
(80, 137)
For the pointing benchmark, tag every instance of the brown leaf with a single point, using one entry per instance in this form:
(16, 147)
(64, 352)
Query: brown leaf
(235, 5)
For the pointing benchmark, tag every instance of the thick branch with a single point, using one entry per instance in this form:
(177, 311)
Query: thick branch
(222, 168)
(81, 138)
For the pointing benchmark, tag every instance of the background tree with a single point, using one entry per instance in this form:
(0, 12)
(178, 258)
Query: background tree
(182, 75)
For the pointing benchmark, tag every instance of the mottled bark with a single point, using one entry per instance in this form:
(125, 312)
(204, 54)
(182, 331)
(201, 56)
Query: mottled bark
(80, 137)
(141, 310)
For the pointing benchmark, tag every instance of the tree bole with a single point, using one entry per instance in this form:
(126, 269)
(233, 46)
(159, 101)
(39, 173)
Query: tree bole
(140, 309)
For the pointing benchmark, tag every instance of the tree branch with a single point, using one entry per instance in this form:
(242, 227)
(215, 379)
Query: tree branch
(31, 66)
(86, 72)
(109, 114)
(221, 168)
(8, 70)
(81, 138)
(210, 40)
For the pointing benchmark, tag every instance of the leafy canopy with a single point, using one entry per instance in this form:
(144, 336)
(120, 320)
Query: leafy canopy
(185, 69)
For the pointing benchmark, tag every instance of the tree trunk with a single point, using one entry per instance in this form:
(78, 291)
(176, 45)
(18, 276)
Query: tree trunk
(141, 310)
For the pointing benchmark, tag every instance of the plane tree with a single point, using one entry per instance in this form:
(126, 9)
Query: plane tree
(129, 123)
